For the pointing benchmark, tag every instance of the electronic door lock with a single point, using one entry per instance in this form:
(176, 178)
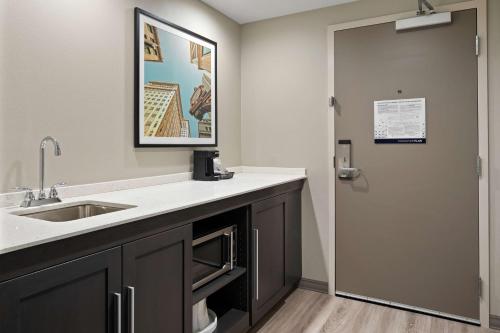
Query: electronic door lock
(344, 170)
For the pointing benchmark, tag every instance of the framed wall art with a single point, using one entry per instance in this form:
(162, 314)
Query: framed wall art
(175, 85)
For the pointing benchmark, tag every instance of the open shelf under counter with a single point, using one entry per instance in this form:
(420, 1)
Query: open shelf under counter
(217, 284)
(233, 321)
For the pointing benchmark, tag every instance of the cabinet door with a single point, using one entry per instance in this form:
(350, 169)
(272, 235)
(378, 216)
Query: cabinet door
(80, 296)
(157, 283)
(268, 232)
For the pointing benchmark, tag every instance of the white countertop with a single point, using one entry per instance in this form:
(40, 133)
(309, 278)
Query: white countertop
(18, 232)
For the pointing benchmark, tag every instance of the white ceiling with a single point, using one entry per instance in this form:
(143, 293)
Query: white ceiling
(244, 11)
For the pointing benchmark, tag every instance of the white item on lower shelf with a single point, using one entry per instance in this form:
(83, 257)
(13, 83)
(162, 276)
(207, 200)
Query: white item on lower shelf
(213, 323)
(200, 316)
(204, 319)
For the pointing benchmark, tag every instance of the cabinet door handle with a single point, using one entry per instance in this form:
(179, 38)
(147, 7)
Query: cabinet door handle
(131, 309)
(256, 255)
(118, 312)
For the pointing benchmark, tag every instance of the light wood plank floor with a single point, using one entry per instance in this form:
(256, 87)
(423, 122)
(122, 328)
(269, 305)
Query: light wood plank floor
(310, 312)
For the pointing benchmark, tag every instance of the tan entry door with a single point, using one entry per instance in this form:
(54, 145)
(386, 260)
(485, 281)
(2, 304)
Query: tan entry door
(407, 227)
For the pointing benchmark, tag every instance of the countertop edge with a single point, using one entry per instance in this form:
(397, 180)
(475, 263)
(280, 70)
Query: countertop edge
(293, 174)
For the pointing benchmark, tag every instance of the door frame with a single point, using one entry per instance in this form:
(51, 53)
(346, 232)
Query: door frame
(484, 250)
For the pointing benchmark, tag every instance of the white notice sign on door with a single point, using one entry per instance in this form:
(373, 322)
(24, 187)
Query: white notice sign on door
(400, 121)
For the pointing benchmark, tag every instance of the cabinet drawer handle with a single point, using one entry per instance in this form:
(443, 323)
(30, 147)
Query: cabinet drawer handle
(118, 312)
(131, 309)
(256, 254)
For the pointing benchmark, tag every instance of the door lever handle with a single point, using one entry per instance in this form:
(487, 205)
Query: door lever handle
(349, 173)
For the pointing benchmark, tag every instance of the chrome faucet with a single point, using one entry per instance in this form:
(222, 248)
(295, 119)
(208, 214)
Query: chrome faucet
(29, 198)
(57, 152)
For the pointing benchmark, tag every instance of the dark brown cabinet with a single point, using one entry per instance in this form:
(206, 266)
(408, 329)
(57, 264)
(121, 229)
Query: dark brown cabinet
(157, 282)
(136, 277)
(276, 251)
(80, 296)
(85, 295)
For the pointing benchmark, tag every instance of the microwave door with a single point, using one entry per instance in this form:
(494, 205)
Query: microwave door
(211, 257)
(207, 262)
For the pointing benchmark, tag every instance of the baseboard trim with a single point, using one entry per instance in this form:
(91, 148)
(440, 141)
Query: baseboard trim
(495, 322)
(408, 308)
(322, 287)
(314, 285)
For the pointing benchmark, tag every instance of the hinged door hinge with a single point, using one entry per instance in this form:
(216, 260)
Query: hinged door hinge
(477, 45)
(334, 161)
(480, 286)
(332, 101)
(479, 166)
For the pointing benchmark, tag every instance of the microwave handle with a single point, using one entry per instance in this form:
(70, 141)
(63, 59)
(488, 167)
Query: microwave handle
(229, 249)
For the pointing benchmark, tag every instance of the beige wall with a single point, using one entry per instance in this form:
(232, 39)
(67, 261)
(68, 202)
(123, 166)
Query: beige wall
(284, 110)
(67, 70)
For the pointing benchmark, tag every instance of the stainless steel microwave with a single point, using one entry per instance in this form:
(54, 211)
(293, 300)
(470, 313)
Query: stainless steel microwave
(213, 255)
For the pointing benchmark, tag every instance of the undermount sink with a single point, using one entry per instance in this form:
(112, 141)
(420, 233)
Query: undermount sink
(76, 211)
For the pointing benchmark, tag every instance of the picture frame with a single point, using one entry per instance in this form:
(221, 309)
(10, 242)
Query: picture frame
(175, 85)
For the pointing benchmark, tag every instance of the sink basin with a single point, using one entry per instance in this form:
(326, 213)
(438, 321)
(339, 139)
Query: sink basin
(76, 211)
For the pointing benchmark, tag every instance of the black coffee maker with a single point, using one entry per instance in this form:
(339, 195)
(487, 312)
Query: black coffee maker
(207, 167)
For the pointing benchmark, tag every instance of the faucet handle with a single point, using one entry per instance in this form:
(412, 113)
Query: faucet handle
(29, 192)
(28, 197)
(53, 190)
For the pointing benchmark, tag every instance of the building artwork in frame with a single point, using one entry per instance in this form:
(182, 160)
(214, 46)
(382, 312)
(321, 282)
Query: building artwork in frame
(175, 82)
